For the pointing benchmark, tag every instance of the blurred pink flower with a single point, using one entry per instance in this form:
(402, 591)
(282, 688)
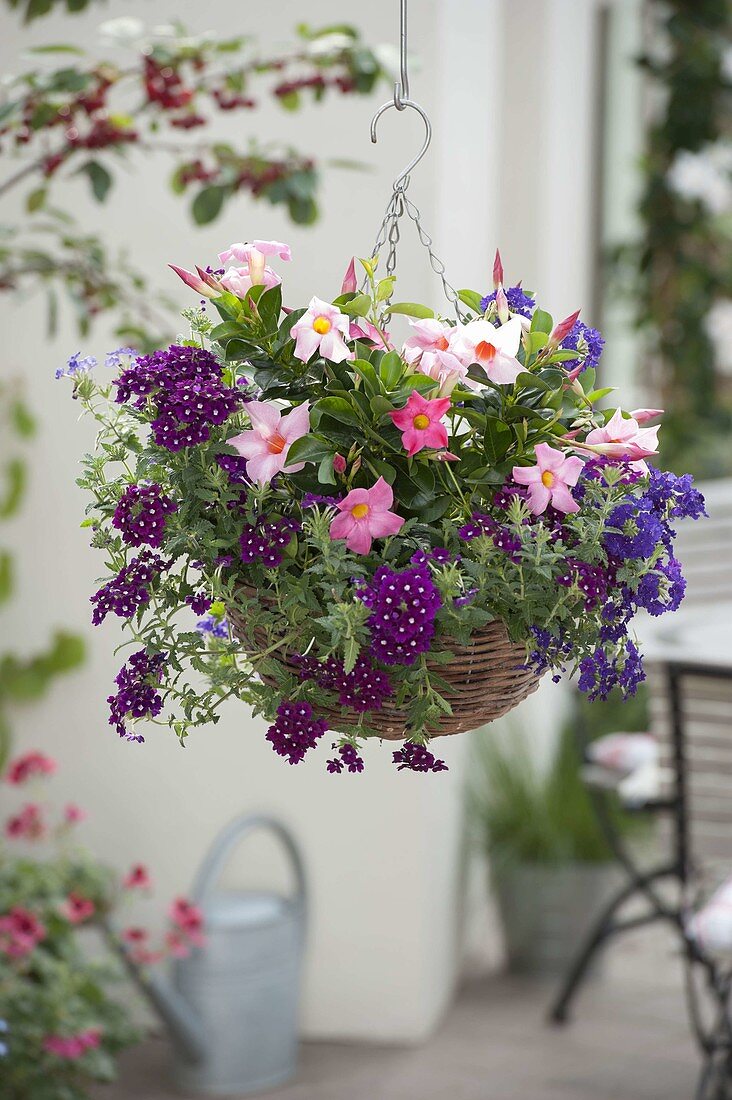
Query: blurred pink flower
(73, 814)
(77, 909)
(322, 328)
(365, 516)
(27, 824)
(420, 423)
(137, 878)
(550, 480)
(29, 766)
(188, 919)
(266, 444)
(20, 932)
(73, 1046)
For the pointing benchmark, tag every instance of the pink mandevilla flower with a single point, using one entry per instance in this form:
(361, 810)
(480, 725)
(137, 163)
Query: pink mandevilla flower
(322, 328)
(493, 349)
(266, 444)
(550, 480)
(77, 908)
(427, 351)
(29, 766)
(623, 437)
(254, 270)
(365, 516)
(420, 423)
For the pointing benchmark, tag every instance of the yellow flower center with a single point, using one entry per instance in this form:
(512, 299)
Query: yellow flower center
(322, 325)
(421, 422)
(359, 511)
(547, 478)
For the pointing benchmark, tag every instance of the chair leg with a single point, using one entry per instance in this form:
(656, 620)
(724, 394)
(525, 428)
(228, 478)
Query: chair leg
(603, 928)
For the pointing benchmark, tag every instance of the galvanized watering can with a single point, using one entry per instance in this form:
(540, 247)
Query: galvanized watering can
(232, 1007)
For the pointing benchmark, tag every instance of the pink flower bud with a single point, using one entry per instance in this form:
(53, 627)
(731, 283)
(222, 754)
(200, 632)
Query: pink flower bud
(339, 464)
(642, 416)
(348, 286)
(562, 330)
(497, 271)
(502, 305)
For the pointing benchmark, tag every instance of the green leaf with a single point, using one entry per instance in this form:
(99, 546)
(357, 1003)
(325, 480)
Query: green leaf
(338, 408)
(303, 211)
(36, 199)
(385, 288)
(310, 448)
(497, 439)
(597, 395)
(99, 178)
(360, 306)
(6, 575)
(365, 370)
(541, 321)
(326, 475)
(207, 204)
(391, 369)
(471, 299)
(412, 309)
(15, 479)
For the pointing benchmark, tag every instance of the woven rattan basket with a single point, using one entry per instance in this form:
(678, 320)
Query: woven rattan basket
(487, 679)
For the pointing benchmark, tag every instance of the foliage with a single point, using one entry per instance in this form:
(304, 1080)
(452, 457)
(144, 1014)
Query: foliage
(89, 118)
(61, 1021)
(272, 553)
(523, 813)
(685, 259)
(34, 9)
(23, 679)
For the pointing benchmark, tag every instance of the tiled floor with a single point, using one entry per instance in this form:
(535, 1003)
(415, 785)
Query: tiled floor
(629, 1041)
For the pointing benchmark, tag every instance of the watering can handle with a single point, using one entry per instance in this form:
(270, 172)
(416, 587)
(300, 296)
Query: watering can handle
(224, 844)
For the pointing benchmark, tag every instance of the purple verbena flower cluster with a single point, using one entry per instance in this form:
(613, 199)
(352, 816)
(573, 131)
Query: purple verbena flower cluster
(137, 695)
(141, 513)
(295, 730)
(663, 589)
(235, 466)
(129, 590)
(185, 385)
(216, 627)
(199, 602)
(265, 541)
(550, 651)
(590, 338)
(349, 759)
(440, 555)
(416, 758)
(592, 580)
(633, 530)
(518, 301)
(362, 689)
(76, 365)
(678, 494)
(503, 538)
(403, 609)
(600, 673)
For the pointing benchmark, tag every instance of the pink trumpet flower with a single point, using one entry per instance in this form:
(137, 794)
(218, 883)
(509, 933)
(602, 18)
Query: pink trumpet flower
(420, 423)
(349, 284)
(562, 330)
(497, 271)
(493, 349)
(623, 437)
(266, 444)
(642, 416)
(365, 516)
(426, 351)
(247, 253)
(550, 480)
(322, 328)
(364, 330)
(199, 283)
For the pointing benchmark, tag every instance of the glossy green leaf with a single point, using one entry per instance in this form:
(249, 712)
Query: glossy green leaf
(411, 309)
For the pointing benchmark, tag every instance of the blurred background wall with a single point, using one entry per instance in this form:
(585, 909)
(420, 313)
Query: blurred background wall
(514, 88)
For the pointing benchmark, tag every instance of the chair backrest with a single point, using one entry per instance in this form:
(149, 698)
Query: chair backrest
(705, 551)
(704, 547)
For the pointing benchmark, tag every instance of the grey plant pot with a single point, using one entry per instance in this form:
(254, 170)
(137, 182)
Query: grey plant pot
(546, 910)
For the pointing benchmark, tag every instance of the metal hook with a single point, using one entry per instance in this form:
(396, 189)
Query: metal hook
(401, 87)
(401, 181)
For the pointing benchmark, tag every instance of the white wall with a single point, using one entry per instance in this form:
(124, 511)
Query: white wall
(382, 849)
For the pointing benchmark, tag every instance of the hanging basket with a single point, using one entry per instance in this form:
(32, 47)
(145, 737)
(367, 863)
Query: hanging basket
(487, 678)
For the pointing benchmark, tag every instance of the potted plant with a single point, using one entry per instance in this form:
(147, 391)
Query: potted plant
(384, 541)
(550, 866)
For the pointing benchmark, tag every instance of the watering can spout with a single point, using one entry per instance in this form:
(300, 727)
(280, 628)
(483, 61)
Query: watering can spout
(179, 1018)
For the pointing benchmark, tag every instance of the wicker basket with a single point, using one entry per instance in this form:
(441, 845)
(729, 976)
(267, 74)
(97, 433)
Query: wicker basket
(487, 679)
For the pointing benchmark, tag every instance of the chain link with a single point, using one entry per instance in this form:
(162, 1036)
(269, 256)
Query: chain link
(389, 234)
